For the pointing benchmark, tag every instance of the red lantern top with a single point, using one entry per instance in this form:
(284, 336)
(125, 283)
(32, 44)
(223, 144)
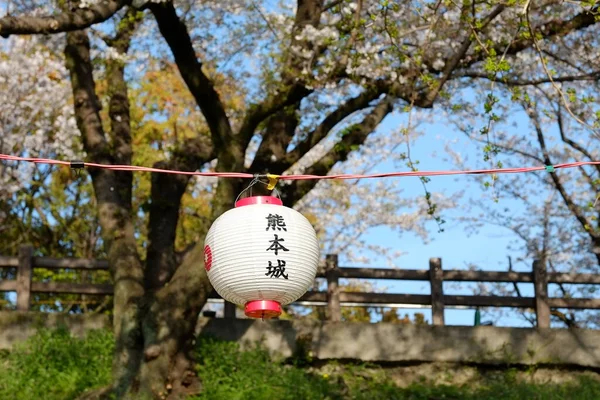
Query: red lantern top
(259, 200)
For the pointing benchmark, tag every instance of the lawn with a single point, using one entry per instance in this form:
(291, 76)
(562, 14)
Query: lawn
(52, 365)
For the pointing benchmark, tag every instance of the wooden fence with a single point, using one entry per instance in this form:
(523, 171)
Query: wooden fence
(334, 297)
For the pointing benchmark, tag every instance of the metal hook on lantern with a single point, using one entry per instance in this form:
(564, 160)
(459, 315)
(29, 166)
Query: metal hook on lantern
(272, 182)
(252, 183)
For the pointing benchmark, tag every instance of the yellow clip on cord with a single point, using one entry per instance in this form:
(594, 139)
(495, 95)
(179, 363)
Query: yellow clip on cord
(272, 181)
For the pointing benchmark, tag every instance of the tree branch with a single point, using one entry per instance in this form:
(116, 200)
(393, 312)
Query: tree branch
(332, 4)
(258, 113)
(118, 106)
(79, 18)
(593, 76)
(87, 104)
(308, 13)
(557, 28)
(575, 210)
(453, 62)
(549, 29)
(571, 142)
(565, 61)
(279, 132)
(351, 106)
(355, 137)
(271, 155)
(125, 30)
(178, 38)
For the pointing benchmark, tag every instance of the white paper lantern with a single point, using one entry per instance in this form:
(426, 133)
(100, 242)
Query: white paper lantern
(261, 255)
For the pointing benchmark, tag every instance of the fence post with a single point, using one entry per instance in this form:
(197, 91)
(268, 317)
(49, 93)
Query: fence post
(24, 273)
(436, 279)
(229, 310)
(540, 284)
(332, 273)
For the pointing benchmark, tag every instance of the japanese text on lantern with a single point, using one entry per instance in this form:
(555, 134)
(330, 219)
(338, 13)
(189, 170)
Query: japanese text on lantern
(276, 269)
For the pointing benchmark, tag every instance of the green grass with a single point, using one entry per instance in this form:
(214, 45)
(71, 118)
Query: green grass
(52, 366)
(230, 374)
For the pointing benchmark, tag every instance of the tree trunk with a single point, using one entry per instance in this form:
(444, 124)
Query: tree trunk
(169, 331)
(164, 341)
(154, 327)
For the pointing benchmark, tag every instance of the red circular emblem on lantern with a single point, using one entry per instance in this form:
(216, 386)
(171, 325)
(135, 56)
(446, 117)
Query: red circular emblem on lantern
(207, 258)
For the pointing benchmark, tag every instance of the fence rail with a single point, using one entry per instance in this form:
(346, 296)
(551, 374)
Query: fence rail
(334, 298)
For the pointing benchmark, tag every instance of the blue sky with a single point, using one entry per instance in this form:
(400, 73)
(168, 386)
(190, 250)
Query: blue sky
(487, 249)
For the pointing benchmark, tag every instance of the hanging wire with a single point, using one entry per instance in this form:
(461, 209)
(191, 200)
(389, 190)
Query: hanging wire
(255, 180)
(548, 168)
(277, 194)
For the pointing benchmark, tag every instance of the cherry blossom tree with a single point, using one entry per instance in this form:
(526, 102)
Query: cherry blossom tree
(36, 117)
(553, 215)
(317, 78)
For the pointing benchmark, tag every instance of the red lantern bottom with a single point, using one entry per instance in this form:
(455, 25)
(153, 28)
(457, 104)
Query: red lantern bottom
(264, 309)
